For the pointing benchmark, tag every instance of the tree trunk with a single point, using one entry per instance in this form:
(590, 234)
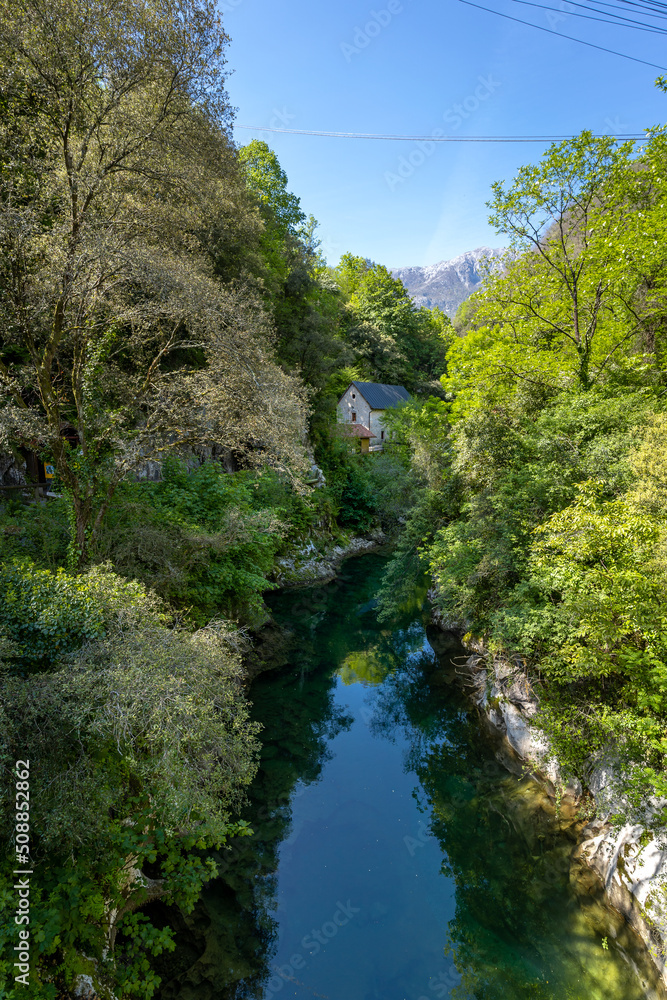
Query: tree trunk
(82, 519)
(583, 373)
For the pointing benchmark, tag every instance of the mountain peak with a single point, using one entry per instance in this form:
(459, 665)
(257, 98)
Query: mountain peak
(449, 282)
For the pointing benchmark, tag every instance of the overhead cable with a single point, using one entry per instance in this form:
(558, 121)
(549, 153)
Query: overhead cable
(550, 31)
(634, 25)
(620, 137)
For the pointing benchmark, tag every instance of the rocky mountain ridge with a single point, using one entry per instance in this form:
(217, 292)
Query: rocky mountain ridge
(448, 283)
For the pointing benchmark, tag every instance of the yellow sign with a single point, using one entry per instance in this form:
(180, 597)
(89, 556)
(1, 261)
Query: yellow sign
(49, 471)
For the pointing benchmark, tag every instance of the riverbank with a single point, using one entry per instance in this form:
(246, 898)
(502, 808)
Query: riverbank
(628, 857)
(379, 792)
(309, 566)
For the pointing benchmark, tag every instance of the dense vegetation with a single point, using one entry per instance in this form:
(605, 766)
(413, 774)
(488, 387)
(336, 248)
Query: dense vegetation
(543, 517)
(174, 345)
(164, 309)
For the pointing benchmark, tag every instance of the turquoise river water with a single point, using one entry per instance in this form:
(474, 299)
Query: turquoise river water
(393, 857)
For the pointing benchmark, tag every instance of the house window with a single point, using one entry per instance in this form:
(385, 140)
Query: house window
(354, 417)
(354, 395)
(382, 436)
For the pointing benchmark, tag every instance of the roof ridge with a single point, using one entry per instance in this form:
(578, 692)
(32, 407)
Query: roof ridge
(381, 395)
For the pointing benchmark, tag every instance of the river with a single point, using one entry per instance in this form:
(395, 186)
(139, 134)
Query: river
(393, 856)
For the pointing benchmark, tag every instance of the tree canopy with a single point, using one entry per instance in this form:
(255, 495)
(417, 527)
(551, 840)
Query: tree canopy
(543, 518)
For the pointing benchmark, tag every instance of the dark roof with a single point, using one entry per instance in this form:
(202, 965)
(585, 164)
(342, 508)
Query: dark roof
(357, 430)
(381, 397)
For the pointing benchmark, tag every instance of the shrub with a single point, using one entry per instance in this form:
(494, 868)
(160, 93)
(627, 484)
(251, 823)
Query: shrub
(48, 615)
(145, 749)
(198, 538)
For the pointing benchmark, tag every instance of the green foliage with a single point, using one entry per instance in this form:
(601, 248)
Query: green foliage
(409, 563)
(145, 748)
(421, 429)
(356, 499)
(199, 538)
(39, 532)
(577, 297)
(132, 318)
(396, 343)
(553, 545)
(268, 181)
(47, 615)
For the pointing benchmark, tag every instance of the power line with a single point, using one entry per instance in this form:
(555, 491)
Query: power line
(657, 9)
(632, 8)
(628, 6)
(560, 34)
(635, 25)
(620, 137)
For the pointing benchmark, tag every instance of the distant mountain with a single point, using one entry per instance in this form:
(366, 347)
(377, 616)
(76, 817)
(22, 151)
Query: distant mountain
(448, 283)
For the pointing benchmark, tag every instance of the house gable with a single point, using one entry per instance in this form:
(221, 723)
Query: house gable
(364, 403)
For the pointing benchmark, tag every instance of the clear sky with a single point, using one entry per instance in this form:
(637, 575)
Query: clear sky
(305, 64)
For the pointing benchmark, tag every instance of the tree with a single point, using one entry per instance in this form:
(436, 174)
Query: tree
(398, 343)
(305, 300)
(563, 299)
(145, 747)
(119, 344)
(285, 224)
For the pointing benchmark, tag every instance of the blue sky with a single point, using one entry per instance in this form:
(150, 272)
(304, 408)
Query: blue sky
(310, 65)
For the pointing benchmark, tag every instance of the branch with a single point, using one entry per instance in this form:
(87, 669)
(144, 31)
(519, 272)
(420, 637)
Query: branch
(18, 399)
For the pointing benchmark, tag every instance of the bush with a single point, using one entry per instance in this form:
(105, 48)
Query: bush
(144, 749)
(47, 615)
(201, 539)
(37, 531)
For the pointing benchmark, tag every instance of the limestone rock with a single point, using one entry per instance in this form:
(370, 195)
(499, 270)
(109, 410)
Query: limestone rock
(308, 565)
(629, 857)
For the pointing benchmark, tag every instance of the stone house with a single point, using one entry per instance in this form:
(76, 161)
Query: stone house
(361, 409)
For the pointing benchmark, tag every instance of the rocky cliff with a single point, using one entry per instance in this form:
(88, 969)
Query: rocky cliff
(628, 855)
(448, 283)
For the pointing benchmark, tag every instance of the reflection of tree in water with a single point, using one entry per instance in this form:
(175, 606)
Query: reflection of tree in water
(229, 937)
(225, 946)
(515, 918)
(518, 931)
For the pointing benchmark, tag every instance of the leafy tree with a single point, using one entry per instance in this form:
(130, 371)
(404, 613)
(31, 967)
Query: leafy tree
(118, 343)
(397, 343)
(304, 300)
(145, 749)
(567, 301)
(268, 181)
(200, 539)
(547, 462)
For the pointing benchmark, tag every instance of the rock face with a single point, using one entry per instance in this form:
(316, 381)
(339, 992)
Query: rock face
(631, 860)
(448, 283)
(309, 565)
(502, 691)
(629, 857)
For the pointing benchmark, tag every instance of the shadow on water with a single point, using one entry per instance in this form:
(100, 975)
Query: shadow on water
(393, 857)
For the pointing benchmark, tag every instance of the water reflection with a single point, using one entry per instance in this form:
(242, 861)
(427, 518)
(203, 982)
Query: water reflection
(393, 857)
